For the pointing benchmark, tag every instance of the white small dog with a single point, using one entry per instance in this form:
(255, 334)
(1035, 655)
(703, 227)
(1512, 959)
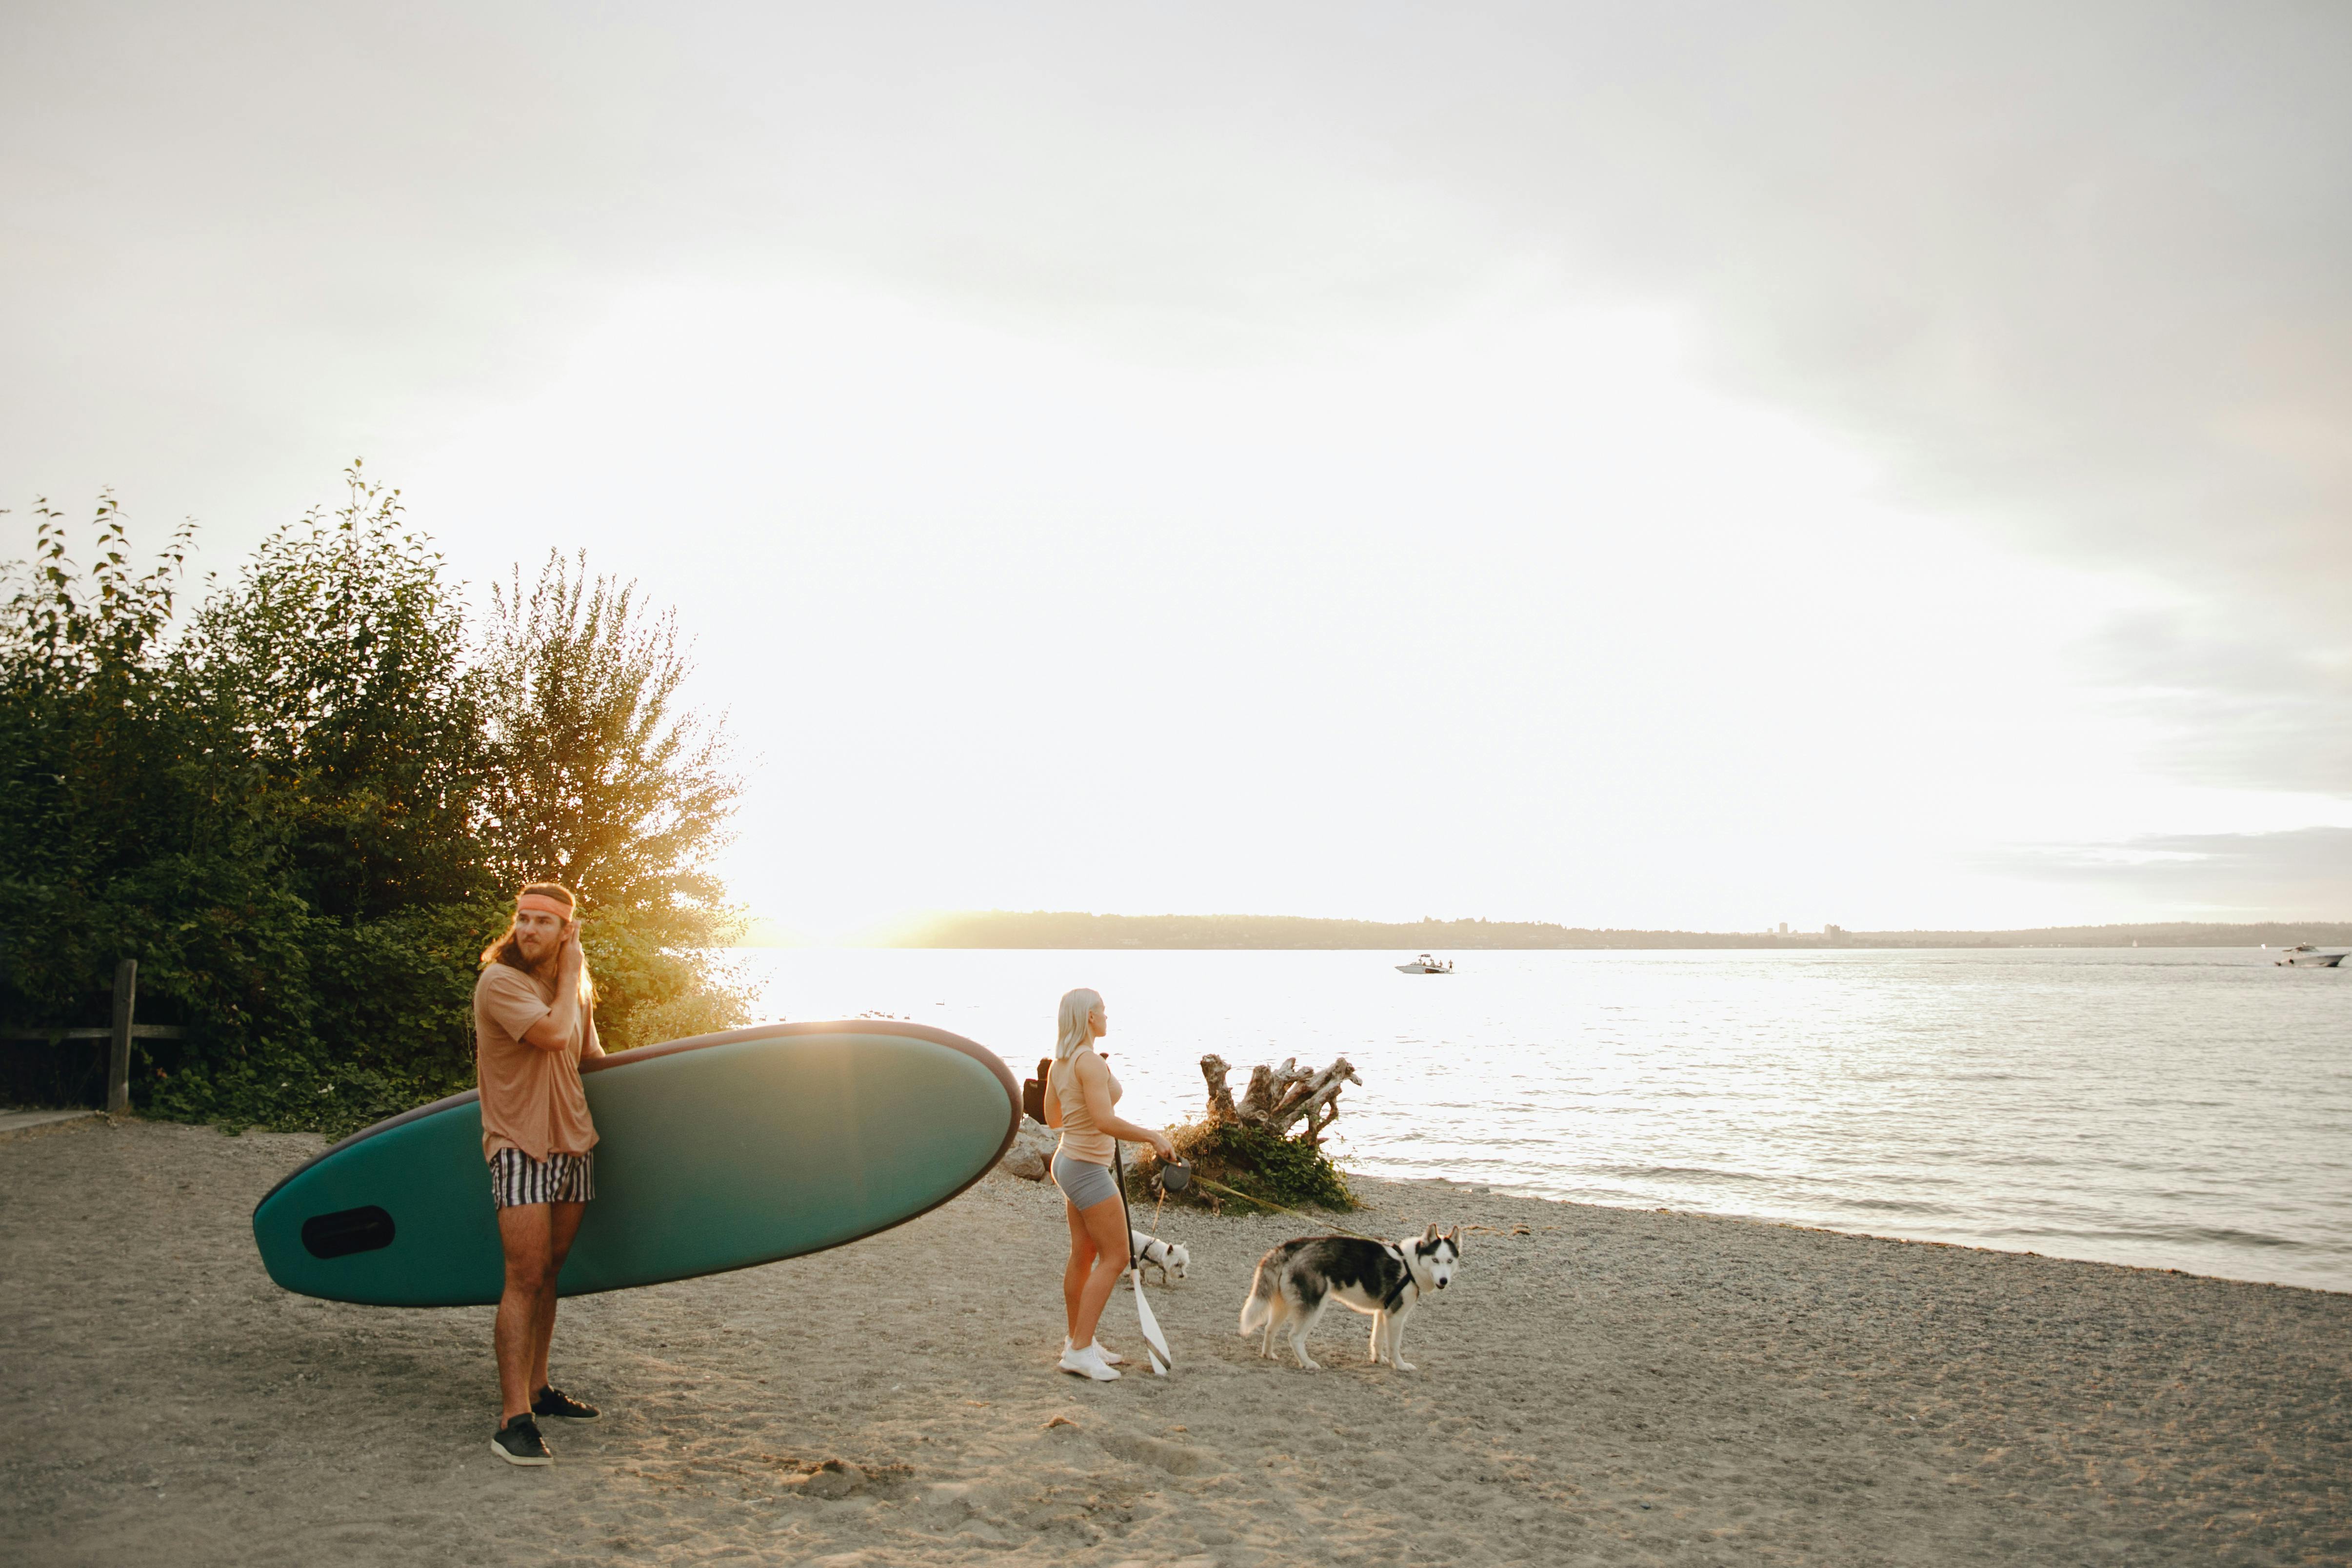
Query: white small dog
(1167, 1257)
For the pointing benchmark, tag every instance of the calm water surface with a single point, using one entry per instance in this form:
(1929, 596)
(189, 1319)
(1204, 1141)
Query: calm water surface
(2176, 1108)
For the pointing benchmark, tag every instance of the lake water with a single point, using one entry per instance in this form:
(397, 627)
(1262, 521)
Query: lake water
(2176, 1108)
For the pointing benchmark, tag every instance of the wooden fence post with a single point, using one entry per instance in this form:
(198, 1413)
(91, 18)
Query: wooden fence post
(118, 1070)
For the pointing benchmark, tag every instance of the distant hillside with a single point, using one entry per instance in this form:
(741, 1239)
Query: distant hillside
(1006, 928)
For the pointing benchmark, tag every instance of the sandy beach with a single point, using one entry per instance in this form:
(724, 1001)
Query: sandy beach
(1601, 1386)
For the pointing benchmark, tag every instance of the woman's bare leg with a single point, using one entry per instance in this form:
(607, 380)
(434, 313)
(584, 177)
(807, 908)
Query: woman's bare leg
(1105, 1224)
(1074, 1278)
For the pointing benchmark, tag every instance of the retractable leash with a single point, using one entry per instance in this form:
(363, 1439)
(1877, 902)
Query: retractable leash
(1155, 1343)
(1280, 1208)
(1262, 1203)
(1173, 1176)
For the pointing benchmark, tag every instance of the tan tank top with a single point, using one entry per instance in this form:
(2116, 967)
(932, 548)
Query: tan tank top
(1081, 1139)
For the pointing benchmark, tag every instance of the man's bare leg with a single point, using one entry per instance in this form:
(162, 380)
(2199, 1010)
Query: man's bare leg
(564, 1224)
(526, 1232)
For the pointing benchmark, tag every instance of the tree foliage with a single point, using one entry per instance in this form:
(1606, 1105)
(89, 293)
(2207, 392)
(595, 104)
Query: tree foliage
(602, 781)
(296, 816)
(600, 776)
(136, 825)
(342, 653)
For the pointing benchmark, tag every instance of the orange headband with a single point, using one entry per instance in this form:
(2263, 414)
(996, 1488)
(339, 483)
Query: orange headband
(542, 904)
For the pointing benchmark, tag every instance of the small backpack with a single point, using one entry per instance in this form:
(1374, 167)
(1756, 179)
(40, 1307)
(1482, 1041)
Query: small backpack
(1032, 1091)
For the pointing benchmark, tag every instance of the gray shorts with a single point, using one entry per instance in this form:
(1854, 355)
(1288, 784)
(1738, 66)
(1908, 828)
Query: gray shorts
(517, 1179)
(1082, 1182)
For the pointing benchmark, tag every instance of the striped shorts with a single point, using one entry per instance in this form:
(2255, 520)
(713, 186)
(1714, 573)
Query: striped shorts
(516, 1178)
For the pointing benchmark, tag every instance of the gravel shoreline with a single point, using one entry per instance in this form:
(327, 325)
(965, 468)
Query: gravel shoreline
(1603, 1385)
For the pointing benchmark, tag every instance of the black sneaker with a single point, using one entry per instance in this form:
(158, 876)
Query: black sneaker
(519, 1443)
(553, 1401)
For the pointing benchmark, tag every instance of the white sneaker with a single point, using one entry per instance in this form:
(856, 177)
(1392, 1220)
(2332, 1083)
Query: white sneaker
(1111, 1358)
(1089, 1362)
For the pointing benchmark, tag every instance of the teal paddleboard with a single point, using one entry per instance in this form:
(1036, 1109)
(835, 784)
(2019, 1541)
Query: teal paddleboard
(716, 1153)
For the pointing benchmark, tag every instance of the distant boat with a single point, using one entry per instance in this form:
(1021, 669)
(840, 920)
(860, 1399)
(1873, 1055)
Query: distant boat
(1425, 965)
(2307, 956)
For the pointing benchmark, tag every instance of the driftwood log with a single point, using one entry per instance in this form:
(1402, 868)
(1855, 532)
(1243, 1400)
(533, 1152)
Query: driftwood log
(1280, 1097)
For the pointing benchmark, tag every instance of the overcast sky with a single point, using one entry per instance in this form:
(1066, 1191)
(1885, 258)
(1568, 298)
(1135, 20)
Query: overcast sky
(1697, 466)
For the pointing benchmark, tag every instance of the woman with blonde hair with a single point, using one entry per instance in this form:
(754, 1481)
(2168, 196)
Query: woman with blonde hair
(1079, 1094)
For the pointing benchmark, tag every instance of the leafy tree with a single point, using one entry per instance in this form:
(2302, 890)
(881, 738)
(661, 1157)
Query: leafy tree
(342, 652)
(135, 825)
(303, 816)
(658, 976)
(601, 781)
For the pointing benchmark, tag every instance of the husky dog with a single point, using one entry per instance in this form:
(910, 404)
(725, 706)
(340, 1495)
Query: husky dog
(1298, 1279)
(1167, 1257)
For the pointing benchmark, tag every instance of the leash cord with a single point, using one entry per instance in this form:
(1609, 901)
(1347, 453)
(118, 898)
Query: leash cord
(1294, 1214)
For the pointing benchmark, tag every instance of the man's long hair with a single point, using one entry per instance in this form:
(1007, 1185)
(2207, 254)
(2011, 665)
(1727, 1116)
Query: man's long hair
(507, 951)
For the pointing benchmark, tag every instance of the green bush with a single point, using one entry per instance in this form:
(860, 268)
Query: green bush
(1250, 1160)
(650, 988)
(304, 816)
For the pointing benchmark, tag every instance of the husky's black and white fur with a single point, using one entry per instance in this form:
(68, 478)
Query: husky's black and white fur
(1298, 1279)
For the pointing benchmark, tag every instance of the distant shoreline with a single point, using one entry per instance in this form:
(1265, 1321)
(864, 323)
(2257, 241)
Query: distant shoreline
(1060, 930)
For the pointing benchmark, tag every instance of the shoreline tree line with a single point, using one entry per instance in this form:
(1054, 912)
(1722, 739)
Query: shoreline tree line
(304, 804)
(1077, 929)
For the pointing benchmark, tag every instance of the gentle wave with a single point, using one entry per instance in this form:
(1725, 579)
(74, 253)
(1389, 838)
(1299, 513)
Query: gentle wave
(2166, 1108)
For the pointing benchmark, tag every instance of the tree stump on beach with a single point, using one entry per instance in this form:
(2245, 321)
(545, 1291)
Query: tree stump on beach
(1220, 1098)
(1280, 1097)
(1268, 1146)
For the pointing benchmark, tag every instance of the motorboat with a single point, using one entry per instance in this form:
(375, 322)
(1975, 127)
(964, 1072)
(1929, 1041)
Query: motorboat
(1425, 965)
(2306, 957)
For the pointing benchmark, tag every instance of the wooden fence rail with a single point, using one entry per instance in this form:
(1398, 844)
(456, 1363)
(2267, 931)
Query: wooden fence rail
(122, 1032)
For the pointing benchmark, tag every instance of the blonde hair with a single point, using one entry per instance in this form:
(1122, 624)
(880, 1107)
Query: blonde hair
(1073, 1036)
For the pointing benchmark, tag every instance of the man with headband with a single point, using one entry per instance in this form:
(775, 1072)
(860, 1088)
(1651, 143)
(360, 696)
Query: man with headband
(533, 1025)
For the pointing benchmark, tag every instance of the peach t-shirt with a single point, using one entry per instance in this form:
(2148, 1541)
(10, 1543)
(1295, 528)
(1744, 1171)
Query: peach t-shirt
(530, 1098)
